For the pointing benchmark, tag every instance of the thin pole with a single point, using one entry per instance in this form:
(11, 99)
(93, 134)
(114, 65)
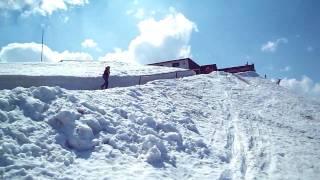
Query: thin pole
(42, 44)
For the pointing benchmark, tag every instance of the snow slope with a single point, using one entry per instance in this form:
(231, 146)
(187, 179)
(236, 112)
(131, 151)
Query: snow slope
(83, 75)
(216, 126)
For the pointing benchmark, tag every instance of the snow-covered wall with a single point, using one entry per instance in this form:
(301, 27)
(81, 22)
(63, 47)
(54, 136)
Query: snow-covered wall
(81, 69)
(84, 83)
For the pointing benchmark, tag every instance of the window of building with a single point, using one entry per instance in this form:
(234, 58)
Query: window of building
(175, 64)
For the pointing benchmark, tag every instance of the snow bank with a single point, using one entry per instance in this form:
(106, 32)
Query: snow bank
(83, 75)
(81, 69)
(201, 127)
(47, 122)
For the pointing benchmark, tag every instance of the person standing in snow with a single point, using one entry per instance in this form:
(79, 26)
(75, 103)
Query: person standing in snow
(105, 76)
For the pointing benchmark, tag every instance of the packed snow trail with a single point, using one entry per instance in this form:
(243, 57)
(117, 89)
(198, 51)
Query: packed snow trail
(213, 126)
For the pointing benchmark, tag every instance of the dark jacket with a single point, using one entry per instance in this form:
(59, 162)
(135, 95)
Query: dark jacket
(106, 74)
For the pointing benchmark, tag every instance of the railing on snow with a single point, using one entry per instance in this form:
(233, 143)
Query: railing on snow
(175, 75)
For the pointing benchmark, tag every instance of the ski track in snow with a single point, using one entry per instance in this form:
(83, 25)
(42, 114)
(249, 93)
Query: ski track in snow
(244, 140)
(217, 126)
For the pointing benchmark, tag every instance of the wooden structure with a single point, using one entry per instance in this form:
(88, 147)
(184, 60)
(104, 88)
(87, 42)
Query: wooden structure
(206, 69)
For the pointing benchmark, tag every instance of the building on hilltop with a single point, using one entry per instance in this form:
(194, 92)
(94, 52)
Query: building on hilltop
(238, 69)
(187, 63)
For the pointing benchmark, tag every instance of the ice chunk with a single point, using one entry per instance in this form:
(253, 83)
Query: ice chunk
(93, 108)
(10, 148)
(94, 125)
(32, 148)
(68, 159)
(46, 94)
(19, 136)
(149, 121)
(72, 98)
(174, 137)
(32, 108)
(150, 141)
(106, 125)
(121, 112)
(200, 143)
(5, 105)
(192, 127)
(82, 137)
(64, 119)
(124, 136)
(166, 127)
(3, 116)
(154, 156)
(5, 160)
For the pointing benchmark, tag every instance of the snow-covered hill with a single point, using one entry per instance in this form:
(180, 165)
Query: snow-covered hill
(216, 126)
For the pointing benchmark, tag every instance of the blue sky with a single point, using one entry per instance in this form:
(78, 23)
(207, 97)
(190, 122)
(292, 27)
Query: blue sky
(280, 37)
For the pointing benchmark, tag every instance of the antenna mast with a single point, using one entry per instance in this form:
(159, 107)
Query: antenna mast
(42, 43)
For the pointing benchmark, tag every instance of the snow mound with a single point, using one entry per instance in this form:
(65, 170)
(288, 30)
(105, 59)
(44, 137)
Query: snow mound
(215, 126)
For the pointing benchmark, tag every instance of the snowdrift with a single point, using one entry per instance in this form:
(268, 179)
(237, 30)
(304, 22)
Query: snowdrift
(82, 75)
(214, 126)
(84, 83)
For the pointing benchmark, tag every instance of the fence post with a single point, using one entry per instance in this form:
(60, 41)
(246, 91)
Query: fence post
(176, 74)
(139, 80)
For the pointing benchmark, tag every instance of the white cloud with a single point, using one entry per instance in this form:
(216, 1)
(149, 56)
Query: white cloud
(286, 69)
(31, 52)
(117, 55)
(137, 13)
(42, 7)
(270, 67)
(65, 19)
(305, 86)
(158, 40)
(49, 6)
(271, 46)
(310, 48)
(135, 2)
(89, 43)
(129, 11)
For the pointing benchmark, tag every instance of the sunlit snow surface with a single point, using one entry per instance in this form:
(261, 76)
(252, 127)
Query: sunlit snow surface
(82, 69)
(216, 126)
